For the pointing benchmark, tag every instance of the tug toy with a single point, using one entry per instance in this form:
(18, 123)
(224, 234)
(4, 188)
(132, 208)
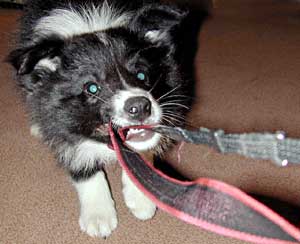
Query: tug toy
(209, 204)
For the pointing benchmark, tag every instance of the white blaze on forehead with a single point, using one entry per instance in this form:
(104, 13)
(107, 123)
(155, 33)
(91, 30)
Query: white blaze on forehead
(68, 22)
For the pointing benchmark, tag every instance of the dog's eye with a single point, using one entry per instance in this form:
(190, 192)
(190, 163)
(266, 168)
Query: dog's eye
(92, 88)
(141, 76)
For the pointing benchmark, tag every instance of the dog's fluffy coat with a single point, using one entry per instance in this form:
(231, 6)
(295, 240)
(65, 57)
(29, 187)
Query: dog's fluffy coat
(80, 64)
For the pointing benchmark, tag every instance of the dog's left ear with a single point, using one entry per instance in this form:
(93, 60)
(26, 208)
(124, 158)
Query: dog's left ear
(157, 22)
(42, 54)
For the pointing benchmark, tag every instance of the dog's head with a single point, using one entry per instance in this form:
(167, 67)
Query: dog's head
(127, 74)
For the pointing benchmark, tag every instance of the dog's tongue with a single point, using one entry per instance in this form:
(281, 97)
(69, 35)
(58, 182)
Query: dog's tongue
(139, 135)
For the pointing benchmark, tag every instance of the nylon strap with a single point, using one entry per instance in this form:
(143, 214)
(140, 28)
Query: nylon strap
(276, 147)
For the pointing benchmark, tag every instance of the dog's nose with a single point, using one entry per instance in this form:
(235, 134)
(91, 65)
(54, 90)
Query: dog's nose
(138, 108)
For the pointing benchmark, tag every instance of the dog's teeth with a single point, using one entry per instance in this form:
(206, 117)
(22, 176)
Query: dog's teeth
(138, 135)
(135, 131)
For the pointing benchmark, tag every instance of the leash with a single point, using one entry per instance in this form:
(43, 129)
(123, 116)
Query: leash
(209, 204)
(275, 147)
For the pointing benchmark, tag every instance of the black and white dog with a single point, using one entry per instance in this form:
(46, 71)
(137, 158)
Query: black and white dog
(86, 63)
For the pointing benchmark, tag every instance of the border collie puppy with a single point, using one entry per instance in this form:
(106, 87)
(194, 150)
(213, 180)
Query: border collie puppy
(85, 63)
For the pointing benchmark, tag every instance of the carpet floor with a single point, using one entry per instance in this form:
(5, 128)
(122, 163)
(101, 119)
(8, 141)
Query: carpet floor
(248, 79)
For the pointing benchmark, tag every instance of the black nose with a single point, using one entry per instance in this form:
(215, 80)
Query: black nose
(138, 108)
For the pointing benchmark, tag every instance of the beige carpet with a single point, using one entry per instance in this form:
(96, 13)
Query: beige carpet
(248, 72)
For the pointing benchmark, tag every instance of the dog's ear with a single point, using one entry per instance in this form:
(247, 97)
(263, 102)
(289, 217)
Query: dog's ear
(156, 22)
(44, 54)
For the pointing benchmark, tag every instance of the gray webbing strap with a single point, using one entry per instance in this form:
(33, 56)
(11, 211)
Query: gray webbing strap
(275, 147)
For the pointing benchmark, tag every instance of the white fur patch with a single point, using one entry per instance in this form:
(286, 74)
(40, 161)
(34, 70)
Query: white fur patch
(86, 154)
(88, 151)
(156, 35)
(50, 64)
(70, 22)
(35, 131)
(97, 209)
(141, 206)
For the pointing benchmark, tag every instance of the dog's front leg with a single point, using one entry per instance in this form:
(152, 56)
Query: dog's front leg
(141, 206)
(97, 209)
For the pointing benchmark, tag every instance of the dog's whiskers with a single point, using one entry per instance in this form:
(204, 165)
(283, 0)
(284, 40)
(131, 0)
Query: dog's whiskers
(168, 121)
(174, 101)
(173, 119)
(173, 115)
(99, 98)
(155, 84)
(110, 90)
(170, 104)
(166, 94)
(183, 96)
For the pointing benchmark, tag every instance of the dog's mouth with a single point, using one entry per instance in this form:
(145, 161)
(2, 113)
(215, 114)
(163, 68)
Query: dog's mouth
(133, 133)
(139, 133)
(138, 137)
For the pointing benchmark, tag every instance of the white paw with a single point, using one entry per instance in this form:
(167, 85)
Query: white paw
(137, 202)
(36, 131)
(100, 223)
(140, 206)
(98, 216)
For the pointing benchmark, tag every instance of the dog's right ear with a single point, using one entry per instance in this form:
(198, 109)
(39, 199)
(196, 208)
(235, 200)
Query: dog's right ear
(44, 54)
(156, 22)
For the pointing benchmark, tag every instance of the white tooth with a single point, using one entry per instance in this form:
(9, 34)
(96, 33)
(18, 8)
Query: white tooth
(136, 131)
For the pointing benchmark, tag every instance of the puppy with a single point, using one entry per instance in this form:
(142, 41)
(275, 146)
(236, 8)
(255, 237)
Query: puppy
(85, 64)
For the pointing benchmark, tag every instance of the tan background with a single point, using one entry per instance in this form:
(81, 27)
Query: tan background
(248, 70)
